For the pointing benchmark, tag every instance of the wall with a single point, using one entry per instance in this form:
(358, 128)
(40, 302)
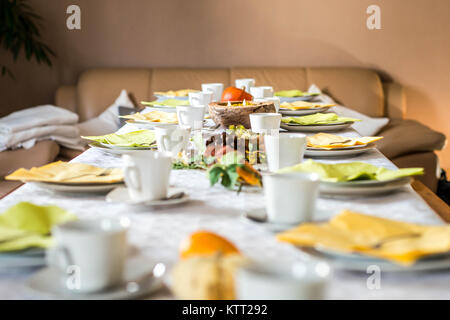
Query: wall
(412, 48)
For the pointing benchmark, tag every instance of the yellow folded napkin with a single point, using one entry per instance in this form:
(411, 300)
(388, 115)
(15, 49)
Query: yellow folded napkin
(64, 172)
(350, 171)
(154, 116)
(351, 232)
(175, 93)
(167, 103)
(140, 138)
(299, 105)
(26, 225)
(331, 141)
(293, 93)
(317, 118)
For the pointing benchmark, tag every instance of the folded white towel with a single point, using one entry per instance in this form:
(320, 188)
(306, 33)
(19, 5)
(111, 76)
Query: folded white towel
(368, 126)
(36, 117)
(27, 138)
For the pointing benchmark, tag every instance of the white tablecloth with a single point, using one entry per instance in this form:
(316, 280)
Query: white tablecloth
(158, 232)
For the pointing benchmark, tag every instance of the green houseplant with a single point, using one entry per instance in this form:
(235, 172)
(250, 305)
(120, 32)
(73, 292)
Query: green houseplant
(19, 28)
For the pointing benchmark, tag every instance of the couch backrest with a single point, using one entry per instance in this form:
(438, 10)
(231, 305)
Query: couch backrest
(357, 88)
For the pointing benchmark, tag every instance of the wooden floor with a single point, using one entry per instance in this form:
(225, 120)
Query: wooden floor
(439, 206)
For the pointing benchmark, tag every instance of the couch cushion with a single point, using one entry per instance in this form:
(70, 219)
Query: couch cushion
(42, 153)
(278, 78)
(164, 79)
(98, 88)
(356, 88)
(407, 136)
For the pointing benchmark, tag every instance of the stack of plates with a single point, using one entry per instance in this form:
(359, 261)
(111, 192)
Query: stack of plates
(302, 98)
(77, 187)
(357, 262)
(108, 148)
(302, 112)
(338, 152)
(316, 127)
(29, 258)
(145, 124)
(359, 188)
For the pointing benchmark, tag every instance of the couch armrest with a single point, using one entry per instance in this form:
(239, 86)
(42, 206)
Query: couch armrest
(66, 97)
(408, 136)
(42, 153)
(395, 101)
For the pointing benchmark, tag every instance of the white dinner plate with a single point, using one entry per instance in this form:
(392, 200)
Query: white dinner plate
(302, 98)
(163, 97)
(111, 146)
(316, 128)
(148, 124)
(120, 194)
(48, 284)
(30, 258)
(76, 188)
(117, 151)
(356, 262)
(302, 112)
(341, 152)
(356, 189)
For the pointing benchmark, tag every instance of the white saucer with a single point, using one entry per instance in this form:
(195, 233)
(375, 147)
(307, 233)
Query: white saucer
(111, 146)
(48, 284)
(337, 152)
(316, 128)
(76, 188)
(302, 112)
(150, 125)
(121, 195)
(258, 217)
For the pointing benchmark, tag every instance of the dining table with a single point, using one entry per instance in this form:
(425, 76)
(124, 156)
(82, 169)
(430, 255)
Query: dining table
(157, 232)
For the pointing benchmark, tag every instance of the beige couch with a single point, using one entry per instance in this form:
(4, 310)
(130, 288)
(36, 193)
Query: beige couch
(407, 142)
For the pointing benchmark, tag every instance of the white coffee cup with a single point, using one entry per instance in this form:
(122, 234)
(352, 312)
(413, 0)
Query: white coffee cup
(291, 197)
(172, 139)
(284, 150)
(147, 174)
(90, 253)
(270, 280)
(201, 98)
(265, 122)
(276, 101)
(215, 88)
(261, 92)
(245, 84)
(191, 116)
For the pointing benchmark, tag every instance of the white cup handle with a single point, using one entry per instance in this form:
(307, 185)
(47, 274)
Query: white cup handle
(57, 255)
(132, 177)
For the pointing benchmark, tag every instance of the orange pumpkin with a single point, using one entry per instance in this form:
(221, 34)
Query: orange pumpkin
(236, 94)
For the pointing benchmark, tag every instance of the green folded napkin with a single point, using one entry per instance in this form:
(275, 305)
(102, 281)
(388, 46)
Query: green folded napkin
(351, 171)
(293, 93)
(318, 118)
(140, 138)
(167, 103)
(27, 225)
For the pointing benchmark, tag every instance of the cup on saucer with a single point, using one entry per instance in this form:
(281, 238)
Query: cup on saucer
(215, 88)
(284, 150)
(291, 197)
(245, 84)
(201, 98)
(265, 122)
(172, 139)
(91, 254)
(261, 92)
(270, 280)
(191, 116)
(147, 174)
